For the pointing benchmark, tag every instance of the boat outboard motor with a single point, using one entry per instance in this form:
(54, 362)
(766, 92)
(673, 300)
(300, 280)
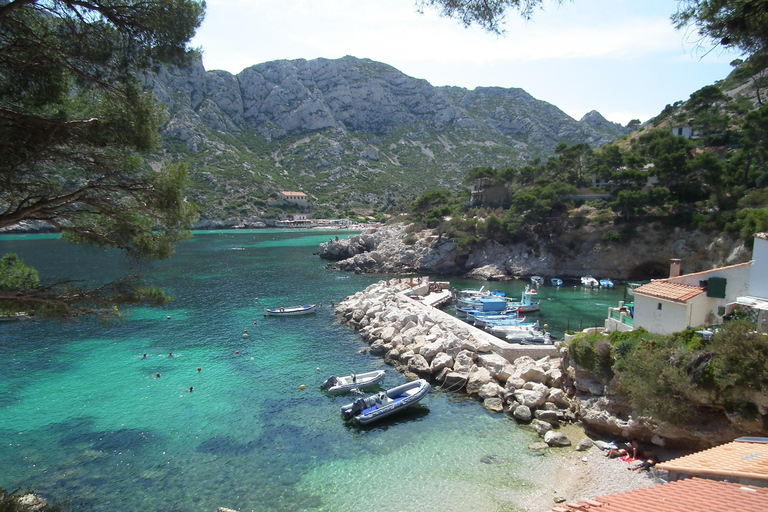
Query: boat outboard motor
(358, 406)
(329, 382)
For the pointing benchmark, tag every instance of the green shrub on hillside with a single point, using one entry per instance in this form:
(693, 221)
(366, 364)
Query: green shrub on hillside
(592, 352)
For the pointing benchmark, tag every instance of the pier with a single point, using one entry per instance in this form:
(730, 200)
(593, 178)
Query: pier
(436, 295)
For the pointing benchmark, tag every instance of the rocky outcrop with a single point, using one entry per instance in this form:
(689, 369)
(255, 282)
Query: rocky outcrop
(603, 409)
(392, 249)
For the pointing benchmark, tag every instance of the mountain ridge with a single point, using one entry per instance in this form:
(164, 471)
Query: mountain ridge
(336, 128)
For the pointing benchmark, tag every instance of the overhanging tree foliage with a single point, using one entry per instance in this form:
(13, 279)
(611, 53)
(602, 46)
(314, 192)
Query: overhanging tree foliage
(75, 124)
(741, 24)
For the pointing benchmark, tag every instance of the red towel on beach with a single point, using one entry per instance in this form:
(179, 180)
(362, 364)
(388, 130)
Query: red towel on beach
(627, 459)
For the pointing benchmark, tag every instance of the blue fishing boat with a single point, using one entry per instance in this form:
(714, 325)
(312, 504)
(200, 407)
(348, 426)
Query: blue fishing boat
(556, 281)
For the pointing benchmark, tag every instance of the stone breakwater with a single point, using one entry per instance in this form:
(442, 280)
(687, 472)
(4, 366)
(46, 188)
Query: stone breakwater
(423, 342)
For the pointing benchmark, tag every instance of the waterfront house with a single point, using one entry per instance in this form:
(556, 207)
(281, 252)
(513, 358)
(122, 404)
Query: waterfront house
(700, 299)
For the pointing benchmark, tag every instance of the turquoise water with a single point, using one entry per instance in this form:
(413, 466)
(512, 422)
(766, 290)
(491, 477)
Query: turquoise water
(84, 418)
(568, 307)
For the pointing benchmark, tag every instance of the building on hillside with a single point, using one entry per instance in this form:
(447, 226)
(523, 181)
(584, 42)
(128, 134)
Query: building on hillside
(297, 198)
(743, 461)
(666, 306)
(692, 494)
(682, 131)
(485, 193)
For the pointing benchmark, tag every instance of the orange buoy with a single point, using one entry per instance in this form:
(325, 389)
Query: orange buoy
(237, 351)
(198, 368)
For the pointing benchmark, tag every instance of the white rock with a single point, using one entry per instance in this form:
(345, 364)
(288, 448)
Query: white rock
(477, 380)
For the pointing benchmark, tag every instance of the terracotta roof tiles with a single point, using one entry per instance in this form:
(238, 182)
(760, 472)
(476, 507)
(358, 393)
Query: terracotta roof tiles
(670, 291)
(738, 459)
(692, 494)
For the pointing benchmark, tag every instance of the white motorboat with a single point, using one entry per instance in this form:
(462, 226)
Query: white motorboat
(290, 311)
(590, 282)
(337, 385)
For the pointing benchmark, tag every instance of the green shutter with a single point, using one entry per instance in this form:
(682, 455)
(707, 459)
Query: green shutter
(716, 287)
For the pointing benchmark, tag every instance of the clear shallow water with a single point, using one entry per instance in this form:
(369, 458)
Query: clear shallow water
(84, 418)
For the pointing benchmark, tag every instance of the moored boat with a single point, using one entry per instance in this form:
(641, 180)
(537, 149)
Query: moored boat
(537, 281)
(556, 281)
(606, 283)
(590, 281)
(337, 385)
(290, 311)
(386, 402)
(527, 302)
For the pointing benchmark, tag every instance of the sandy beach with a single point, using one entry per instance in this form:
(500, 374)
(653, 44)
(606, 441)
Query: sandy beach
(574, 476)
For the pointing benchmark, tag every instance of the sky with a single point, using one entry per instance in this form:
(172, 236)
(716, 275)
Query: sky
(622, 58)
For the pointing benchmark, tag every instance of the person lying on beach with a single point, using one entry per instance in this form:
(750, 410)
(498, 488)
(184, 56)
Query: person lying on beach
(646, 464)
(632, 451)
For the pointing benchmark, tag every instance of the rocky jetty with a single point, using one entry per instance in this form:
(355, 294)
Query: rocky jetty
(541, 391)
(423, 342)
(394, 248)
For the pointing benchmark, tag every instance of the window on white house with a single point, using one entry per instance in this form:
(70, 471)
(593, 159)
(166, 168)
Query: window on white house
(658, 306)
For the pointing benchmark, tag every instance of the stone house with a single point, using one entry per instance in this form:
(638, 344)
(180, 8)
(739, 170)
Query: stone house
(485, 193)
(297, 198)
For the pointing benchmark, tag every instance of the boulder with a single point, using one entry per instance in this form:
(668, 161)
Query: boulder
(530, 398)
(379, 348)
(548, 416)
(499, 367)
(493, 404)
(464, 361)
(584, 445)
(418, 364)
(477, 380)
(554, 438)
(431, 350)
(491, 390)
(529, 372)
(541, 427)
(558, 397)
(440, 361)
(455, 381)
(522, 413)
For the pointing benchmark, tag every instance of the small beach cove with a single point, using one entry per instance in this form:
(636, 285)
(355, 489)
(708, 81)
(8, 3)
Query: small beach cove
(84, 417)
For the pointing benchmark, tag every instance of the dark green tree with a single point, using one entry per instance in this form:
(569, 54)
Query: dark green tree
(76, 122)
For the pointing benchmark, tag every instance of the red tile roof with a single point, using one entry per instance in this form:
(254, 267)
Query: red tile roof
(689, 495)
(739, 459)
(670, 291)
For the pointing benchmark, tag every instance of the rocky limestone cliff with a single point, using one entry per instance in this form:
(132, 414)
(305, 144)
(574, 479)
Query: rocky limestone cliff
(583, 251)
(349, 132)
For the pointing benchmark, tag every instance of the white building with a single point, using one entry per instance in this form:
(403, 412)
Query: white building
(666, 306)
(297, 198)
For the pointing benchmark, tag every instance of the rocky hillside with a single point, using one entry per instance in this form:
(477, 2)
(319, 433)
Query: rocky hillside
(391, 249)
(351, 133)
